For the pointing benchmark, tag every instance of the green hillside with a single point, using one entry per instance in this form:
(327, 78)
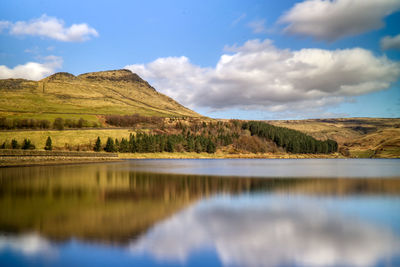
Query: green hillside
(86, 96)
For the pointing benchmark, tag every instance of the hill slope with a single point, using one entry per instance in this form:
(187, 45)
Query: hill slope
(362, 137)
(96, 93)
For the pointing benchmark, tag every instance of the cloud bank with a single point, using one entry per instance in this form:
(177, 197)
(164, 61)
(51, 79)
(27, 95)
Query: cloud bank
(269, 235)
(50, 27)
(258, 75)
(332, 20)
(32, 70)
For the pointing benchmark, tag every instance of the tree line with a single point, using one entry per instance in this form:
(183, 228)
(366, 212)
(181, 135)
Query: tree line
(131, 120)
(26, 144)
(291, 140)
(58, 123)
(151, 143)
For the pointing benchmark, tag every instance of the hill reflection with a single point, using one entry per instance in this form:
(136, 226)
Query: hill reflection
(112, 204)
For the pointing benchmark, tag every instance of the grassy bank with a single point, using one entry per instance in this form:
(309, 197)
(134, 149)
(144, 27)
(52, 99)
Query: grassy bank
(17, 157)
(221, 155)
(13, 158)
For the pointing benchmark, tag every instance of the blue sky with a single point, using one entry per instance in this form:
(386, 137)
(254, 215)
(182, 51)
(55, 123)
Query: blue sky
(224, 59)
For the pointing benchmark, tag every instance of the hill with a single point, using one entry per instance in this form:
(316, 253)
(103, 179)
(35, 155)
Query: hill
(359, 137)
(87, 95)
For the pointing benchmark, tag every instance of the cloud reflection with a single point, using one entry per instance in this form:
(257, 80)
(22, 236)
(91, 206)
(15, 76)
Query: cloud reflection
(27, 244)
(269, 236)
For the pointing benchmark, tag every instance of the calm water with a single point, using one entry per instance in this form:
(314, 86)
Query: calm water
(202, 213)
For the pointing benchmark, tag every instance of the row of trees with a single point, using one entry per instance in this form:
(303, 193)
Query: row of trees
(291, 140)
(149, 143)
(58, 123)
(131, 120)
(8, 124)
(26, 144)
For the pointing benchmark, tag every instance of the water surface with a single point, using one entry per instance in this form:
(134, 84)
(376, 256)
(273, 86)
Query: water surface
(202, 213)
(274, 167)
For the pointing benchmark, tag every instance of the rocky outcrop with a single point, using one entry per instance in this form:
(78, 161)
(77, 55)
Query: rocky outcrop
(122, 75)
(60, 76)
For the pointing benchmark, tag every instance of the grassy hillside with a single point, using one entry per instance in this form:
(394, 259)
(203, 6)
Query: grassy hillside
(87, 95)
(361, 137)
(65, 139)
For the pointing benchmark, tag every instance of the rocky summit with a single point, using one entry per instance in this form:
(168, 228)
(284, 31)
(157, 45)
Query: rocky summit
(123, 75)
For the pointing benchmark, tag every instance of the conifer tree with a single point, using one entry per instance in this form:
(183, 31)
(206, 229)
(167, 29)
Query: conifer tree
(211, 147)
(132, 144)
(49, 145)
(169, 146)
(124, 146)
(27, 144)
(116, 146)
(14, 144)
(197, 147)
(110, 145)
(97, 146)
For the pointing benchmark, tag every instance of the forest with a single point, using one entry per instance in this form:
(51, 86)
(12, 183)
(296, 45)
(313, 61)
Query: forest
(250, 136)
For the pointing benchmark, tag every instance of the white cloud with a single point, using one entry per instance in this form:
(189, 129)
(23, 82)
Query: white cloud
(238, 19)
(258, 26)
(331, 20)
(32, 70)
(4, 25)
(260, 76)
(389, 42)
(269, 234)
(51, 27)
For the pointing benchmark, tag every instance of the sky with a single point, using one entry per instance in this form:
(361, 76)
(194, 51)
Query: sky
(248, 59)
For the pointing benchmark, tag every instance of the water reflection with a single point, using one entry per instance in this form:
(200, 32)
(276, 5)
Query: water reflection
(360, 168)
(27, 244)
(270, 233)
(154, 219)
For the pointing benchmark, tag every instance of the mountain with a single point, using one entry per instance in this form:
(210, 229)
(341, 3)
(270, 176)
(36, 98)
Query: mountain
(96, 93)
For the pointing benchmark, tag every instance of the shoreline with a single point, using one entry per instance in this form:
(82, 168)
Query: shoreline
(53, 162)
(194, 155)
(25, 158)
(21, 158)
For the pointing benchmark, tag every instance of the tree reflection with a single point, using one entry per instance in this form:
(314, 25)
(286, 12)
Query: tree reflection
(113, 203)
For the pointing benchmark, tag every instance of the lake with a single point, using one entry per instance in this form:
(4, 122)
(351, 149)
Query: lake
(234, 212)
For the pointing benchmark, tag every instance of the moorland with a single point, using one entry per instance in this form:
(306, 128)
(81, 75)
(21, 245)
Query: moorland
(120, 113)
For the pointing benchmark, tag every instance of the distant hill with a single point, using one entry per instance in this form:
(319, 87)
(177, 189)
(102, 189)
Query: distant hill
(362, 137)
(96, 93)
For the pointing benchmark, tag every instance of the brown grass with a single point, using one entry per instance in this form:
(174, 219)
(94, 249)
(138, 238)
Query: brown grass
(60, 139)
(59, 95)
